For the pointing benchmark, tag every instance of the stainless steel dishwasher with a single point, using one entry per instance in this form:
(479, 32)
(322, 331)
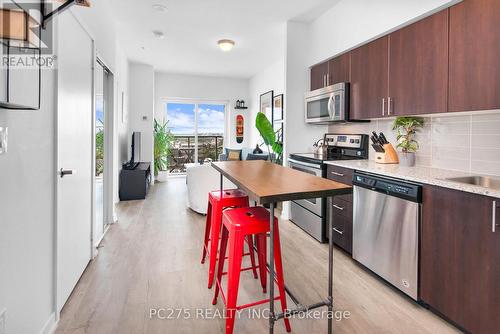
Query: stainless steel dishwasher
(386, 229)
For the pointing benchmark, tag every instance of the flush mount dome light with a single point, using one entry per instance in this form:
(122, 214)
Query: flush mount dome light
(226, 44)
(158, 34)
(159, 7)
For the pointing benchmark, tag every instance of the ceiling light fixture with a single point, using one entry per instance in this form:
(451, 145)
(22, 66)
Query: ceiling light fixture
(226, 44)
(159, 7)
(158, 34)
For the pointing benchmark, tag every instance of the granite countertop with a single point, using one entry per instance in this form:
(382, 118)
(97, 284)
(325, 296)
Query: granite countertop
(426, 175)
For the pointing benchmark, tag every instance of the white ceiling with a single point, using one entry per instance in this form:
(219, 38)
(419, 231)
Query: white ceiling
(193, 27)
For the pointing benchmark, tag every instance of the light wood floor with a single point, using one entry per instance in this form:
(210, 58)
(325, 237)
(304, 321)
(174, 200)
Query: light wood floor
(150, 260)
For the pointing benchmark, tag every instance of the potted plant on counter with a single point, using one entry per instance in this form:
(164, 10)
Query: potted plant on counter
(407, 128)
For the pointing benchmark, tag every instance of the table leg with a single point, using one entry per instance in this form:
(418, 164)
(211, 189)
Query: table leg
(271, 270)
(221, 184)
(330, 279)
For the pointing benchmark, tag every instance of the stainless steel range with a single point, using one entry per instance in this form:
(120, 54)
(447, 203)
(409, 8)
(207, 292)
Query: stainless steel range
(310, 214)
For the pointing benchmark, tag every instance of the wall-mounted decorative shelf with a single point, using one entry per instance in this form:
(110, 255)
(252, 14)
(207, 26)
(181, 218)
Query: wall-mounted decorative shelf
(21, 43)
(20, 76)
(241, 108)
(65, 5)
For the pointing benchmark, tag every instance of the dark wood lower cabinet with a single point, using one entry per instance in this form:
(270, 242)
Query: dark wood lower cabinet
(460, 258)
(341, 222)
(339, 210)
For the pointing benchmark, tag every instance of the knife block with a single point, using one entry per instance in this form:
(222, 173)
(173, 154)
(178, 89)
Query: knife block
(390, 156)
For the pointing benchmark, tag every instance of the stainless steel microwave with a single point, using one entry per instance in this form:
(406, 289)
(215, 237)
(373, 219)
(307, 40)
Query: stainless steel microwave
(328, 104)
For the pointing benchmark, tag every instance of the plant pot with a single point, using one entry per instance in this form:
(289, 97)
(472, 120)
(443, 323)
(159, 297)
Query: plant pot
(407, 159)
(162, 176)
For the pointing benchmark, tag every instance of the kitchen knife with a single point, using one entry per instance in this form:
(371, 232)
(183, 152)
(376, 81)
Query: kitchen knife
(375, 135)
(378, 148)
(375, 142)
(383, 139)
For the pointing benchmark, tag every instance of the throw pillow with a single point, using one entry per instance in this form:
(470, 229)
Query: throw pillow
(233, 155)
(251, 156)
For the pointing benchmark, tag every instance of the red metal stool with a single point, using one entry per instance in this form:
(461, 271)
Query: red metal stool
(237, 224)
(218, 201)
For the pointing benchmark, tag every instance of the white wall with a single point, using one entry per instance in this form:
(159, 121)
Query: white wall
(299, 136)
(121, 149)
(27, 190)
(27, 174)
(354, 22)
(170, 85)
(141, 106)
(270, 78)
(98, 21)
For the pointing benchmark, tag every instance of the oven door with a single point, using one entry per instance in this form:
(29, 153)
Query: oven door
(312, 204)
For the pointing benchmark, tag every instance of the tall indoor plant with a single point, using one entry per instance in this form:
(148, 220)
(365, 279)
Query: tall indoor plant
(269, 136)
(407, 128)
(163, 140)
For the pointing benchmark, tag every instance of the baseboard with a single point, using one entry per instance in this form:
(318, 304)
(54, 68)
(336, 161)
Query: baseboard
(50, 326)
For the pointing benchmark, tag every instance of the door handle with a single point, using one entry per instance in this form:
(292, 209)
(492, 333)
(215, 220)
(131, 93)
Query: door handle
(338, 207)
(338, 231)
(330, 99)
(338, 174)
(383, 106)
(63, 172)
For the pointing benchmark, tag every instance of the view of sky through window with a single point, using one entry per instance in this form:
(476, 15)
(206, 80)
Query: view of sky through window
(181, 118)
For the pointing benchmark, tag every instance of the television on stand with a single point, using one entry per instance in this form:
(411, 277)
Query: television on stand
(135, 156)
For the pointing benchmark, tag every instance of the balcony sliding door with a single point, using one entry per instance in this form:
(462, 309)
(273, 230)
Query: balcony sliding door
(198, 129)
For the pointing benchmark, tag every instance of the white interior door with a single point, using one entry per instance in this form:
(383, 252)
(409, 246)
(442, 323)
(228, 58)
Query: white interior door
(74, 153)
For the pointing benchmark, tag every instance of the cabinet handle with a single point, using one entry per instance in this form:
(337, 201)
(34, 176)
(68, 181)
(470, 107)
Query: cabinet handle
(383, 106)
(338, 207)
(338, 174)
(328, 79)
(494, 217)
(324, 80)
(389, 101)
(338, 231)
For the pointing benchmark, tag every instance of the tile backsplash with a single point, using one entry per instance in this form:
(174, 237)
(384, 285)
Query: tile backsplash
(468, 142)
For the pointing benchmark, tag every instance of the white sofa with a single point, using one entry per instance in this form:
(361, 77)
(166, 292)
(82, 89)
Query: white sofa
(201, 179)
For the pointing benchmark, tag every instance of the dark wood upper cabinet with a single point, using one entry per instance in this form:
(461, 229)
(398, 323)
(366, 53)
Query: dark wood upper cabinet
(460, 258)
(474, 80)
(418, 67)
(369, 79)
(319, 76)
(339, 69)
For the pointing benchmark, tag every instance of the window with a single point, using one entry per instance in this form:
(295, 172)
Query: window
(198, 129)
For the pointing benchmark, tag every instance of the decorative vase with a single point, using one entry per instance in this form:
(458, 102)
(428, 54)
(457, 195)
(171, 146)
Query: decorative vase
(407, 159)
(162, 176)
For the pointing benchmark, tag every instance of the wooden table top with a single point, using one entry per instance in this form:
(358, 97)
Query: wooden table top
(266, 182)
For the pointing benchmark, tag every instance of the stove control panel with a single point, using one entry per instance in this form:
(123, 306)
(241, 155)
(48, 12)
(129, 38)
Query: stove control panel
(349, 141)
